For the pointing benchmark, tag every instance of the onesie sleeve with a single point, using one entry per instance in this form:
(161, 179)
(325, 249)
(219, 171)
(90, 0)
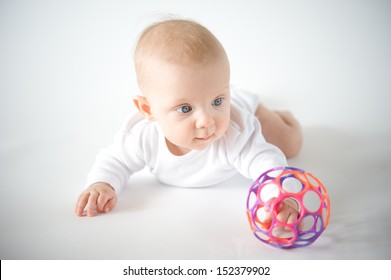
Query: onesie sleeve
(249, 152)
(115, 163)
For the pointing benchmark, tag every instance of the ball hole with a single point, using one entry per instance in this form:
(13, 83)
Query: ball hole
(319, 224)
(307, 223)
(302, 243)
(311, 201)
(268, 191)
(292, 185)
(251, 201)
(307, 236)
(261, 235)
(313, 181)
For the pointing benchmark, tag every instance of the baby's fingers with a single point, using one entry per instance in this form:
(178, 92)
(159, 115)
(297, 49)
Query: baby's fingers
(81, 203)
(105, 202)
(110, 204)
(91, 204)
(287, 214)
(264, 216)
(283, 216)
(292, 217)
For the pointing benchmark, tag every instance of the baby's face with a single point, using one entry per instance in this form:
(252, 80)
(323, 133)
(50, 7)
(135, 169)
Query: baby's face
(191, 103)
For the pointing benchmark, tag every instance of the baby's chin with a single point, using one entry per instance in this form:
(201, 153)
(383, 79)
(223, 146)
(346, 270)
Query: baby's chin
(204, 143)
(197, 144)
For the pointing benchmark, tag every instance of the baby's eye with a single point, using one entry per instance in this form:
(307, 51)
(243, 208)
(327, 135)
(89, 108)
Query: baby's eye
(184, 109)
(217, 101)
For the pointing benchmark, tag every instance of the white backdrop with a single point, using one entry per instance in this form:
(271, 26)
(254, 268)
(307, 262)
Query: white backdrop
(66, 82)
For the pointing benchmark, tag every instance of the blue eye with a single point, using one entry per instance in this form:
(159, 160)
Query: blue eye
(217, 101)
(184, 109)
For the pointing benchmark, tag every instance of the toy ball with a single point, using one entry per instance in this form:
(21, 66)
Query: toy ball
(290, 185)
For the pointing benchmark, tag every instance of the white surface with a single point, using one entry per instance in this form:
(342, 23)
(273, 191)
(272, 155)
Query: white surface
(66, 81)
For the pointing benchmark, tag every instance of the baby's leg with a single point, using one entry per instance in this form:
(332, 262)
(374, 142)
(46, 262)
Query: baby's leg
(281, 129)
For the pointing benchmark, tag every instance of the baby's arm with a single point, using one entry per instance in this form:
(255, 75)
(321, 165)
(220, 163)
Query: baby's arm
(97, 198)
(111, 170)
(281, 129)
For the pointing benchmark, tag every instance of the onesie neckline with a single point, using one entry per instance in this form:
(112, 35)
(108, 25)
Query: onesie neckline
(168, 153)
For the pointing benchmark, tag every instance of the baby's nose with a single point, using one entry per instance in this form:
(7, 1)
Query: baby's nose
(204, 120)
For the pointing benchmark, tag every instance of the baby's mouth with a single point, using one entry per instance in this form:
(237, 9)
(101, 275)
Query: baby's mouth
(206, 138)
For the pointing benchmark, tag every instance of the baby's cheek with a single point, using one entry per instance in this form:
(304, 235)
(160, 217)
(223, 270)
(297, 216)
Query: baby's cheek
(222, 125)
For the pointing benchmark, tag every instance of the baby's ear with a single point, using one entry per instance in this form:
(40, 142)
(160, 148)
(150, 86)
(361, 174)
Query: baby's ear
(143, 106)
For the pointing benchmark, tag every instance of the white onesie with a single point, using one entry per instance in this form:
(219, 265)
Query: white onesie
(141, 143)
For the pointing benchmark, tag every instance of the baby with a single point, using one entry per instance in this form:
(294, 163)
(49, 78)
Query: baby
(192, 127)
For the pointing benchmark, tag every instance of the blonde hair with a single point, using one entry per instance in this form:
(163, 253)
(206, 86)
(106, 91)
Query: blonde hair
(177, 41)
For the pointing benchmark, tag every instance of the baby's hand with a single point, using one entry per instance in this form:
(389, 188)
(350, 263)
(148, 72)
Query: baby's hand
(99, 197)
(287, 212)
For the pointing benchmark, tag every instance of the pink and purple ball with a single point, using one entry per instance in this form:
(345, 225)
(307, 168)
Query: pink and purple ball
(293, 184)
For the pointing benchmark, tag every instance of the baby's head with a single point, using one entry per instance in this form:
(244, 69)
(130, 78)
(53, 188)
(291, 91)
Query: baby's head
(184, 75)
